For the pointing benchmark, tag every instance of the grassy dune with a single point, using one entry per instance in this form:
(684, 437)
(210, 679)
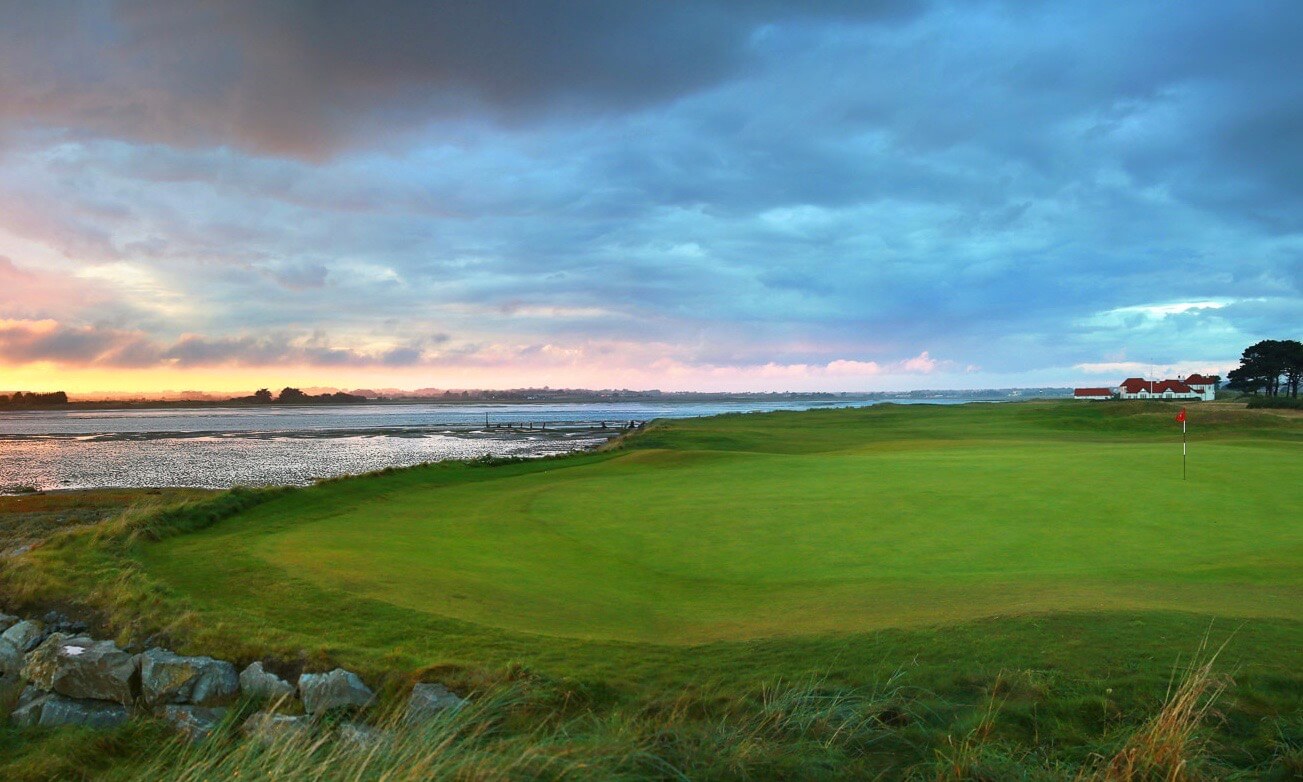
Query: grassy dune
(1042, 562)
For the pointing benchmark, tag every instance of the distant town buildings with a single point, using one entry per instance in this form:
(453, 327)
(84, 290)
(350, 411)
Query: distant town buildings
(1193, 387)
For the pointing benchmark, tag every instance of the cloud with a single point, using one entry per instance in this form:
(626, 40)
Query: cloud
(922, 363)
(837, 192)
(308, 78)
(31, 341)
(48, 341)
(1124, 369)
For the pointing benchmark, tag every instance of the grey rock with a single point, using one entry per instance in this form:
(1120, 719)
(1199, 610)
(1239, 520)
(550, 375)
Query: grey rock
(30, 694)
(267, 727)
(166, 677)
(79, 667)
(10, 690)
(360, 736)
(11, 660)
(25, 635)
(51, 711)
(195, 723)
(28, 710)
(339, 689)
(264, 685)
(429, 700)
(11, 680)
(56, 622)
(7, 621)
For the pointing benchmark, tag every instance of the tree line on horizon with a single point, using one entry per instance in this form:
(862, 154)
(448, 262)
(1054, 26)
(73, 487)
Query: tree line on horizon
(33, 399)
(294, 396)
(1272, 368)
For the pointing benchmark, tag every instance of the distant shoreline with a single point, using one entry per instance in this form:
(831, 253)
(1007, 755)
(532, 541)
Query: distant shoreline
(997, 394)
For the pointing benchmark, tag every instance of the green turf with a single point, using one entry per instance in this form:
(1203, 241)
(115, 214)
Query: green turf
(1045, 560)
(792, 524)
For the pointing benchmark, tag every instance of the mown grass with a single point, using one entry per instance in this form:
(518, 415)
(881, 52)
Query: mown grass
(1026, 574)
(796, 524)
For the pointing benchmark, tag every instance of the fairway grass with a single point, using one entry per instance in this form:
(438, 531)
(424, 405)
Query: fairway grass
(1004, 589)
(845, 534)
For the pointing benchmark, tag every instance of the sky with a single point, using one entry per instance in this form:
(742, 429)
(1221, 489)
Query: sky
(685, 196)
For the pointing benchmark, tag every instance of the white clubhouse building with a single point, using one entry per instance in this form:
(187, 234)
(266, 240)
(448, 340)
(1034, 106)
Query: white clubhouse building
(1193, 387)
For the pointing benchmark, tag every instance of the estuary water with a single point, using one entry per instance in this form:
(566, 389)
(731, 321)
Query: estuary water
(251, 446)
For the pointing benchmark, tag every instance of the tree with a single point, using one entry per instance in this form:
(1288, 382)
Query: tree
(291, 396)
(1270, 366)
(262, 396)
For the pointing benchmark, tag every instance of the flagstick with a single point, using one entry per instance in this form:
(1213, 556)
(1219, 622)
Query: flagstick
(1183, 447)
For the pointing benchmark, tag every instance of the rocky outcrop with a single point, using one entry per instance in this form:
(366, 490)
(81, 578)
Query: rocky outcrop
(195, 723)
(166, 677)
(50, 676)
(7, 621)
(52, 710)
(336, 690)
(429, 700)
(11, 680)
(267, 727)
(25, 635)
(264, 685)
(79, 667)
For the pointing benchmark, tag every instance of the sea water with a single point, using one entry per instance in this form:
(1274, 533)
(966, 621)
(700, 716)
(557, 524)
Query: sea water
(251, 446)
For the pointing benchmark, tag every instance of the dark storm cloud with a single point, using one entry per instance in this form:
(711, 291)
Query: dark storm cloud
(309, 78)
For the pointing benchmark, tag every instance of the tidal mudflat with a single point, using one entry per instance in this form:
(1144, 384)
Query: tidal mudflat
(250, 446)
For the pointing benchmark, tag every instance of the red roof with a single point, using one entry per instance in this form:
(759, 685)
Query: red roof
(1092, 392)
(1134, 385)
(1198, 380)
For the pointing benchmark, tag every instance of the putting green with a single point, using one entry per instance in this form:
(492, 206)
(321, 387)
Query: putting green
(837, 521)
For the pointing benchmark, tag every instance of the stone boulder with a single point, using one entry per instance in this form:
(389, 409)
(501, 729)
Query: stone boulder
(429, 700)
(79, 667)
(7, 621)
(264, 685)
(11, 680)
(267, 727)
(11, 660)
(52, 710)
(56, 622)
(339, 689)
(166, 678)
(359, 736)
(25, 635)
(195, 723)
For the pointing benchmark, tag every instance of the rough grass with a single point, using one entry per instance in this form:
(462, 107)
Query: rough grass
(30, 517)
(805, 731)
(1031, 664)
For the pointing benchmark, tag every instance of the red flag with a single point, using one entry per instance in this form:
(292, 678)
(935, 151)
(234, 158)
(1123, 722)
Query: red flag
(1180, 417)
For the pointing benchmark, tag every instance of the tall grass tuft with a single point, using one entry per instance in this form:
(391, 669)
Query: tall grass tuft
(1171, 746)
(465, 744)
(799, 731)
